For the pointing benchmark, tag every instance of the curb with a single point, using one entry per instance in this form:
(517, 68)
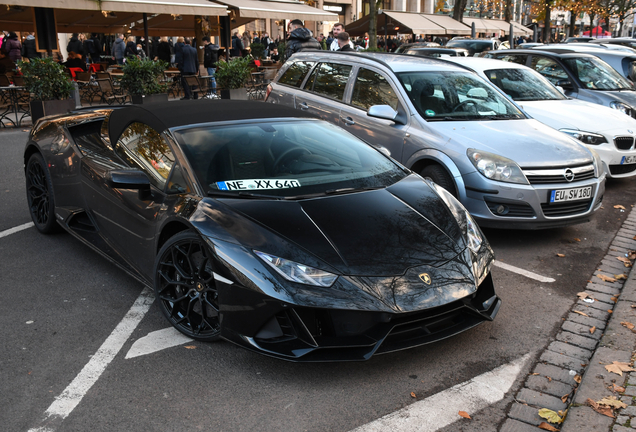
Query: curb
(571, 369)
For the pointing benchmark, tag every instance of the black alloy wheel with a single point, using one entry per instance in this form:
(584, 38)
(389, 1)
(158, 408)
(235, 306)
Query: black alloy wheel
(40, 195)
(437, 174)
(185, 287)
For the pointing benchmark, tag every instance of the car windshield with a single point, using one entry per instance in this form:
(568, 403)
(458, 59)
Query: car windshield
(474, 46)
(523, 84)
(455, 96)
(595, 74)
(284, 159)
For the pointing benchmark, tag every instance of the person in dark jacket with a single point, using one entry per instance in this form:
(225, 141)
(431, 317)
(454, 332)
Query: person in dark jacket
(6, 64)
(210, 57)
(13, 47)
(118, 50)
(163, 50)
(300, 39)
(75, 45)
(343, 42)
(28, 47)
(154, 47)
(237, 46)
(95, 48)
(190, 66)
(178, 53)
(131, 47)
(75, 61)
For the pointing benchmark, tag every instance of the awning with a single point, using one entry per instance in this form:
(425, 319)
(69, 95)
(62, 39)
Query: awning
(483, 25)
(177, 7)
(243, 11)
(408, 22)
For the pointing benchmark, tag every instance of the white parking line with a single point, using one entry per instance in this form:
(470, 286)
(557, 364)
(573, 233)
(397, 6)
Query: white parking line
(523, 272)
(441, 409)
(16, 229)
(157, 341)
(66, 402)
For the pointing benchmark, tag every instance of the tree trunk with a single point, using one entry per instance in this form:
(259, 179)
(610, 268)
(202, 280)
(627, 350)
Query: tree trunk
(458, 11)
(546, 25)
(508, 11)
(572, 24)
(373, 18)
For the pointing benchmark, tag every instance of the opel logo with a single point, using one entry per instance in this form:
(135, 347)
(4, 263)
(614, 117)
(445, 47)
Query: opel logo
(568, 174)
(425, 278)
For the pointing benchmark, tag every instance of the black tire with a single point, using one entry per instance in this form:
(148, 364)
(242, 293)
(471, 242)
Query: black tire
(437, 174)
(185, 287)
(40, 195)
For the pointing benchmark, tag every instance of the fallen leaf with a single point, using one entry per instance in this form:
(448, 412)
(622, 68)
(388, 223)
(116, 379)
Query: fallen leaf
(464, 414)
(633, 306)
(619, 367)
(560, 255)
(583, 295)
(614, 299)
(612, 402)
(618, 206)
(631, 255)
(577, 239)
(624, 259)
(548, 427)
(618, 389)
(620, 276)
(610, 311)
(577, 378)
(565, 397)
(549, 379)
(581, 313)
(190, 347)
(605, 278)
(599, 409)
(634, 237)
(628, 325)
(550, 415)
(592, 330)
(536, 373)
(413, 395)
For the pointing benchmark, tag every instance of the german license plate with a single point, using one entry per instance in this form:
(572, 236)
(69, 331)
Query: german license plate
(628, 160)
(574, 194)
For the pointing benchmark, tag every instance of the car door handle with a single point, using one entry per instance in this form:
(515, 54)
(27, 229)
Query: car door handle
(347, 120)
(303, 106)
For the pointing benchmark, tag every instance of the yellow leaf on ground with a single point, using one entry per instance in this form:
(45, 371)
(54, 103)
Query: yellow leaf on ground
(592, 329)
(605, 278)
(619, 367)
(190, 347)
(548, 427)
(550, 415)
(413, 395)
(581, 313)
(577, 378)
(612, 402)
(577, 239)
(620, 276)
(624, 259)
(618, 206)
(464, 414)
(583, 295)
(560, 255)
(628, 325)
(600, 409)
(536, 373)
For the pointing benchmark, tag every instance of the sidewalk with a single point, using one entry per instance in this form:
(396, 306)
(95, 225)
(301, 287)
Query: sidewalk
(571, 371)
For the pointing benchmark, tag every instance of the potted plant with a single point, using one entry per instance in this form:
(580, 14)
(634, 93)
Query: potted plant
(231, 77)
(141, 80)
(50, 88)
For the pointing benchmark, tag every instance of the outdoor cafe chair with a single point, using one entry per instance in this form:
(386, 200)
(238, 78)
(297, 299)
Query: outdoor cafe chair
(109, 94)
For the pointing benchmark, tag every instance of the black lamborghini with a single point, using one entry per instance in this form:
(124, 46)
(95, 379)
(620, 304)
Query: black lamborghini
(259, 225)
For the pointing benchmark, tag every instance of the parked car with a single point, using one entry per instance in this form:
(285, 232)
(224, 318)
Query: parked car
(437, 52)
(474, 46)
(610, 133)
(448, 124)
(581, 76)
(625, 41)
(281, 233)
(580, 39)
(623, 60)
(407, 46)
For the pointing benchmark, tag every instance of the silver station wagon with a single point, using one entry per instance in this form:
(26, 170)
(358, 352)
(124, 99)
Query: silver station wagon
(446, 123)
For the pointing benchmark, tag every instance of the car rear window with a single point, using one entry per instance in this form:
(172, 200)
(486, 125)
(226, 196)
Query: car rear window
(295, 74)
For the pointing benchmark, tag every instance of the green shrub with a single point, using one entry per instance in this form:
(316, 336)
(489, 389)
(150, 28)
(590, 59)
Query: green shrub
(141, 77)
(45, 79)
(233, 74)
(257, 50)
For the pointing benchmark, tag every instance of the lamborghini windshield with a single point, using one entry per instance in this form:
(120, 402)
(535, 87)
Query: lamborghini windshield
(284, 159)
(455, 96)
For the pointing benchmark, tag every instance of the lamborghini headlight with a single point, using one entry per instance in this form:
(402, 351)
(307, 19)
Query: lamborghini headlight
(496, 167)
(470, 230)
(296, 272)
(585, 137)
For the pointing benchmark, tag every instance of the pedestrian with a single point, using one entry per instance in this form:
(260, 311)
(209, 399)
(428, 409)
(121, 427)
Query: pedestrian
(189, 67)
(336, 29)
(118, 49)
(75, 45)
(75, 61)
(210, 58)
(141, 52)
(6, 64)
(163, 50)
(256, 39)
(300, 39)
(246, 41)
(29, 49)
(344, 43)
(265, 41)
(82, 40)
(237, 46)
(96, 48)
(274, 56)
(13, 47)
(131, 47)
(329, 39)
(178, 52)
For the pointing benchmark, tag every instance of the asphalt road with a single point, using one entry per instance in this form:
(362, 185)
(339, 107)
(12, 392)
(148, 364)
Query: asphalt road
(61, 301)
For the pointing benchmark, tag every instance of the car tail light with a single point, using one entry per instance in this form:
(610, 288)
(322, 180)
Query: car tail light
(269, 90)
